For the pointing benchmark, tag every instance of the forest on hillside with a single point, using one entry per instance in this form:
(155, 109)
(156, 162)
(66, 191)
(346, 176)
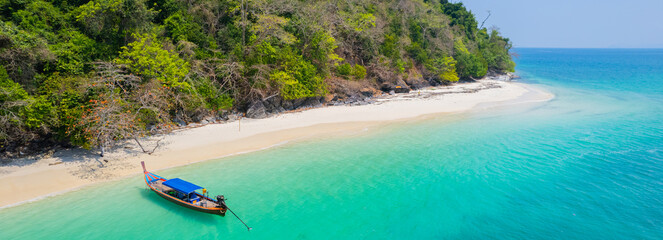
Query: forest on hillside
(89, 73)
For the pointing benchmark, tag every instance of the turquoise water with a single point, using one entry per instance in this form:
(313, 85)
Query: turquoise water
(586, 165)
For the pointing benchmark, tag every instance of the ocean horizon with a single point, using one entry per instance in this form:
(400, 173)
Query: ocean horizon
(585, 165)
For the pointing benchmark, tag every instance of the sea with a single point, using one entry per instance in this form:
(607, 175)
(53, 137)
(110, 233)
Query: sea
(587, 164)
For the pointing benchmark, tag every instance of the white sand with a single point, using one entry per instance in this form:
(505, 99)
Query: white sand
(38, 178)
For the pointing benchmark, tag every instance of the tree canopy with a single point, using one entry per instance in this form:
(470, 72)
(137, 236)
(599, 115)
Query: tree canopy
(90, 72)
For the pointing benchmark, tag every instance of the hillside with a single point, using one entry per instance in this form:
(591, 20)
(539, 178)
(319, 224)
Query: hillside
(89, 73)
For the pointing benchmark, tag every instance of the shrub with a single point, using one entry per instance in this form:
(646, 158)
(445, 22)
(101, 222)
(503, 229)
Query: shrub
(390, 47)
(38, 113)
(213, 96)
(67, 97)
(344, 69)
(417, 52)
(362, 21)
(400, 66)
(298, 79)
(444, 69)
(358, 71)
(19, 111)
(321, 50)
(9, 90)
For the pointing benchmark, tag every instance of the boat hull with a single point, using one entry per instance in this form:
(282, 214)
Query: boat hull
(217, 211)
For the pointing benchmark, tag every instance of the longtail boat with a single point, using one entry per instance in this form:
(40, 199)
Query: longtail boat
(184, 193)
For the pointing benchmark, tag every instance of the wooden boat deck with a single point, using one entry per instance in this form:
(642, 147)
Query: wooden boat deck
(203, 202)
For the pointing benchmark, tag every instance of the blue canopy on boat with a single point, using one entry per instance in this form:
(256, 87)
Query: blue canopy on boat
(181, 185)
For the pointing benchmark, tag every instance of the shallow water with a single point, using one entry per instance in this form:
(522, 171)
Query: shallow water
(586, 165)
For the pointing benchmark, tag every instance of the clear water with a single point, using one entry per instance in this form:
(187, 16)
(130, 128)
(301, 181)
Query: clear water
(586, 165)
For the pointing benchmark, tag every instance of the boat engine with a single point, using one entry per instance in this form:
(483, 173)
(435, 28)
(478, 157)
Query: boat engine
(221, 200)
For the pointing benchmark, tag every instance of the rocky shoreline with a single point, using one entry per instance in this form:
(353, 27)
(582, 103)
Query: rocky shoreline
(347, 94)
(275, 104)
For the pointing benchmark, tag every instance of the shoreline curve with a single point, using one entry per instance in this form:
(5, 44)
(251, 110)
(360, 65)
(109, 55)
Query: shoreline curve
(77, 169)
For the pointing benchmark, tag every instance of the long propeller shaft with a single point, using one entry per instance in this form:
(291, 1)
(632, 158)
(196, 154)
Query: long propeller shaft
(247, 226)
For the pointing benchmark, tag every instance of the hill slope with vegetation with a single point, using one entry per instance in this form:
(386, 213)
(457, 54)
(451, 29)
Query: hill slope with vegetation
(89, 73)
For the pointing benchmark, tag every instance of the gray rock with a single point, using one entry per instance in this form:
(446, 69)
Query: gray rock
(273, 104)
(401, 88)
(367, 92)
(232, 117)
(151, 128)
(386, 87)
(204, 122)
(179, 122)
(256, 110)
(223, 115)
(311, 102)
(297, 103)
(417, 83)
(287, 105)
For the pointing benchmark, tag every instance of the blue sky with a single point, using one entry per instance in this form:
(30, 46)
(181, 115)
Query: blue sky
(575, 24)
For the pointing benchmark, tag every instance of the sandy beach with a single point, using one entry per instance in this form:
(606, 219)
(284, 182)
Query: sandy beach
(67, 170)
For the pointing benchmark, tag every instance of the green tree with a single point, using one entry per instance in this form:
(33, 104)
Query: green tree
(214, 97)
(468, 65)
(147, 58)
(19, 112)
(182, 28)
(298, 79)
(495, 50)
(190, 59)
(362, 21)
(444, 69)
(73, 51)
(321, 50)
(390, 47)
(67, 94)
(40, 17)
(12, 100)
(38, 114)
(22, 53)
(10, 91)
(113, 22)
(460, 17)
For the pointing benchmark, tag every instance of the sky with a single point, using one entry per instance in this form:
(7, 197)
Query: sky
(574, 23)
